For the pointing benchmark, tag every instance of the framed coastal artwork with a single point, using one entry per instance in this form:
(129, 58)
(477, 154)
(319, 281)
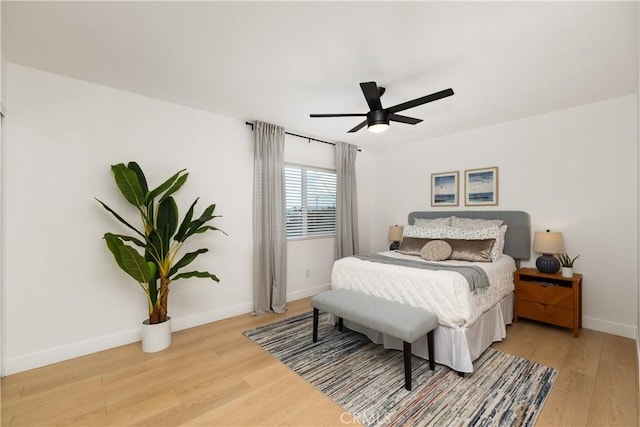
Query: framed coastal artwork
(444, 188)
(481, 187)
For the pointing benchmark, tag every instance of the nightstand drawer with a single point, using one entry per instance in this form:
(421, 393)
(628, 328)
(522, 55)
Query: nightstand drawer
(545, 313)
(549, 298)
(546, 294)
(531, 310)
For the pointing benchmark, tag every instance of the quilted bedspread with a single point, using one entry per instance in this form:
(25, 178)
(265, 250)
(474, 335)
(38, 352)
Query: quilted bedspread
(444, 293)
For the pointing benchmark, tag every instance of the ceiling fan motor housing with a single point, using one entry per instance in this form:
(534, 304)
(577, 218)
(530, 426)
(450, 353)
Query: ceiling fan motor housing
(376, 117)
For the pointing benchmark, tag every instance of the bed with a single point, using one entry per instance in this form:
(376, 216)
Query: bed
(470, 318)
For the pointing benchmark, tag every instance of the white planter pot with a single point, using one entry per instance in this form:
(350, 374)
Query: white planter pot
(156, 337)
(567, 272)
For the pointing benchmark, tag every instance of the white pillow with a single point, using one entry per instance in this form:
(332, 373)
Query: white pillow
(435, 222)
(475, 222)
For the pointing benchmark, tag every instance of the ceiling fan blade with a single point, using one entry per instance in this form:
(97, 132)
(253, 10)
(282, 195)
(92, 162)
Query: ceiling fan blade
(339, 115)
(419, 101)
(372, 95)
(360, 126)
(404, 119)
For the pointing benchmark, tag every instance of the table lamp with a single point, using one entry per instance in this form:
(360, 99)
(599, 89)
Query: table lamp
(395, 235)
(548, 243)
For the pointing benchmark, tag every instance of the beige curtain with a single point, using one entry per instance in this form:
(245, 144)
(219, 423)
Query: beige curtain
(269, 221)
(346, 200)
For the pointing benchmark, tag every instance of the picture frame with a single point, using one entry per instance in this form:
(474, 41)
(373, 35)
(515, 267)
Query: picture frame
(445, 189)
(481, 187)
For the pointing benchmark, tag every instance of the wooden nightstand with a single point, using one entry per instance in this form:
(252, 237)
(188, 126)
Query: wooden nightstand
(549, 298)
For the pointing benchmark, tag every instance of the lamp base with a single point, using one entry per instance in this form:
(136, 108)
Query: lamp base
(394, 246)
(547, 263)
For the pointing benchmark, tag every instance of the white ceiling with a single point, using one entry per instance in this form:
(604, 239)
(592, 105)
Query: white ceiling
(280, 61)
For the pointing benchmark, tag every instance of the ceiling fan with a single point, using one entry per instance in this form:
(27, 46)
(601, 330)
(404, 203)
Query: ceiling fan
(378, 118)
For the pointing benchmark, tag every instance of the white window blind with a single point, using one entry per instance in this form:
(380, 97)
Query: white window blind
(311, 201)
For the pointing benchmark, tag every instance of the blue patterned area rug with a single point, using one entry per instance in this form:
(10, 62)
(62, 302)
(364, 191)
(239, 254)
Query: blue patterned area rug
(367, 380)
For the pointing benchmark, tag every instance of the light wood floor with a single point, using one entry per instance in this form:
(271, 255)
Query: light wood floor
(213, 375)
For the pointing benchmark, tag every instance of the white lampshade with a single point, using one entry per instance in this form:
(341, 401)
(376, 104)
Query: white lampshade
(548, 242)
(395, 233)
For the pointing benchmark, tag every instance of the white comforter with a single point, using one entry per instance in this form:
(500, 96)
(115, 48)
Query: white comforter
(444, 293)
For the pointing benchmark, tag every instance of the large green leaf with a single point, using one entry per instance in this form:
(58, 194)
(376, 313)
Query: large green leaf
(153, 282)
(127, 182)
(128, 259)
(167, 221)
(119, 218)
(186, 260)
(133, 240)
(207, 228)
(206, 216)
(151, 213)
(155, 249)
(200, 274)
(175, 187)
(141, 178)
(113, 243)
(163, 187)
(185, 223)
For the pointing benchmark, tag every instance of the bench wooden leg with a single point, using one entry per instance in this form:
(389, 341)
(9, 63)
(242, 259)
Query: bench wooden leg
(407, 365)
(340, 324)
(432, 353)
(315, 325)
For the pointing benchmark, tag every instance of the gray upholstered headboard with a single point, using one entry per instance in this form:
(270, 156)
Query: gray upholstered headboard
(518, 237)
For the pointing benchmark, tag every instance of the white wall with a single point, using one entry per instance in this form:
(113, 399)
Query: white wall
(2, 323)
(574, 171)
(638, 260)
(64, 295)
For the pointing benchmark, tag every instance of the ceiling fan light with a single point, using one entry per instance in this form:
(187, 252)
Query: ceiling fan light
(377, 121)
(378, 127)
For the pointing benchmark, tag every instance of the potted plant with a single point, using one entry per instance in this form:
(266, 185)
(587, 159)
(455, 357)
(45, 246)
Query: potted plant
(567, 264)
(150, 255)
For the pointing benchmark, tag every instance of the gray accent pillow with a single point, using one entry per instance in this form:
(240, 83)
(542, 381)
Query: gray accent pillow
(471, 250)
(412, 245)
(436, 250)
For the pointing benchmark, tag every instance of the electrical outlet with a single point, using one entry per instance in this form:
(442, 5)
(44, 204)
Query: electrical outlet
(307, 272)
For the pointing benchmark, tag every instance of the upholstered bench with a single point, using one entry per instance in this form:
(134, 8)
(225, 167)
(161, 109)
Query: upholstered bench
(389, 317)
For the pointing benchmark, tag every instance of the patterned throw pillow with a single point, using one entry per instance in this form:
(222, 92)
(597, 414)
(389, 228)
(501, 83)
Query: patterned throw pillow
(425, 231)
(436, 250)
(435, 222)
(474, 222)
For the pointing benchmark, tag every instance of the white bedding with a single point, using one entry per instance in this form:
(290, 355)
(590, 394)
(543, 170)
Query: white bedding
(444, 293)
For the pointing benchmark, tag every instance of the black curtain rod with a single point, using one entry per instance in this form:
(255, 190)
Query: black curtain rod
(300, 136)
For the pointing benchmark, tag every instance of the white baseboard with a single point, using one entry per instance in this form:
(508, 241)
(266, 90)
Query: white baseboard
(71, 351)
(293, 296)
(620, 329)
(204, 318)
(94, 345)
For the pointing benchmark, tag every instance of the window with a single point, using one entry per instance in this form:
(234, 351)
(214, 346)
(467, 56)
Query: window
(311, 201)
